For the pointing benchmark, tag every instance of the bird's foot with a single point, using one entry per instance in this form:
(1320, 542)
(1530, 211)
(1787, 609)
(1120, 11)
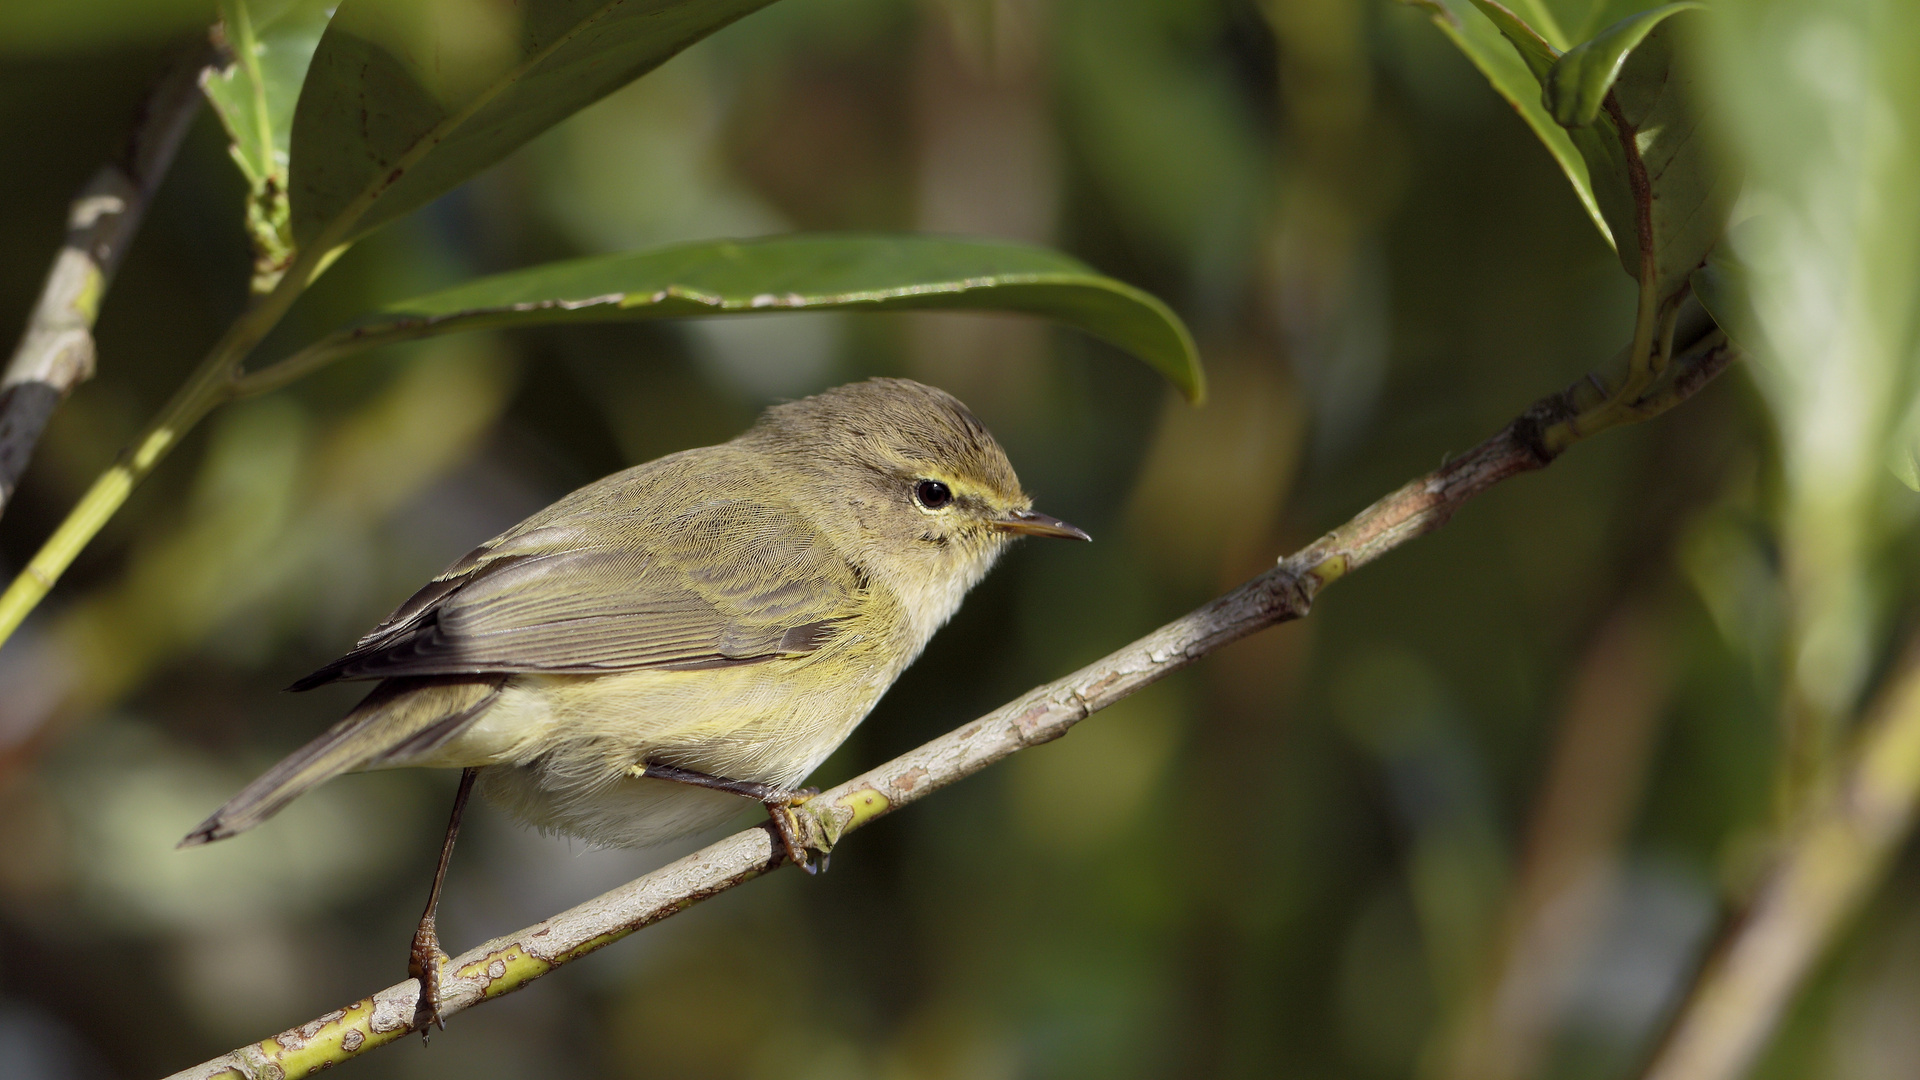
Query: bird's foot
(787, 829)
(792, 837)
(424, 962)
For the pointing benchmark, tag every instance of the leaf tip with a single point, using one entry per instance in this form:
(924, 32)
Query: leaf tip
(1194, 387)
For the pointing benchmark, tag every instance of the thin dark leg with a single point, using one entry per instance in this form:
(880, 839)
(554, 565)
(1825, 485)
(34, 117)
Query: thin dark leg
(424, 961)
(778, 801)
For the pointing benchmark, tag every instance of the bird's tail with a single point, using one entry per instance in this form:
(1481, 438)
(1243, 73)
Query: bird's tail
(399, 719)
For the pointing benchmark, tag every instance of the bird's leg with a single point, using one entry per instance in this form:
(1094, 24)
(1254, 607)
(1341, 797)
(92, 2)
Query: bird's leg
(778, 801)
(424, 960)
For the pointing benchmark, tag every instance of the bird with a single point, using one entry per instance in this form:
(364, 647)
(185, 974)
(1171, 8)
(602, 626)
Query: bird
(628, 664)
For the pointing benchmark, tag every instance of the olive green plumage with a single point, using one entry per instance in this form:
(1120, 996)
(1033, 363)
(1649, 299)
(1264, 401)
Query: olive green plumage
(734, 610)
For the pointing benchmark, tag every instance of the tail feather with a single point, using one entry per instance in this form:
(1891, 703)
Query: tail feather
(400, 718)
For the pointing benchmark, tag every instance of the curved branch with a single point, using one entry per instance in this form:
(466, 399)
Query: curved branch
(1286, 592)
(56, 352)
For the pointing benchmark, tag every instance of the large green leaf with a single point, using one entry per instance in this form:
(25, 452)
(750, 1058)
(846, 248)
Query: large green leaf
(789, 273)
(1822, 99)
(407, 98)
(1576, 87)
(270, 46)
(1474, 32)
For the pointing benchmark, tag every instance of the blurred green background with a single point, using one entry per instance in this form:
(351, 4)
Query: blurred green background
(1499, 786)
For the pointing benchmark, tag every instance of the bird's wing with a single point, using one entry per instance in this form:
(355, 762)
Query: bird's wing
(724, 582)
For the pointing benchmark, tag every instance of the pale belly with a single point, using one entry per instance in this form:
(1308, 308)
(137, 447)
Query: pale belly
(556, 749)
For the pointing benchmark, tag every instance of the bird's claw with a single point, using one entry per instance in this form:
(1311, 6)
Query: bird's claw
(424, 962)
(791, 835)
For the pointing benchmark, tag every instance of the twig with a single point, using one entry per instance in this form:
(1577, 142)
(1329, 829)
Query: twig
(1286, 592)
(1823, 872)
(56, 353)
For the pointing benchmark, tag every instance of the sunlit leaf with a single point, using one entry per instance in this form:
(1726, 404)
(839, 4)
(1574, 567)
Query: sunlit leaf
(1535, 50)
(254, 95)
(1473, 32)
(1906, 457)
(1821, 100)
(407, 98)
(270, 46)
(1576, 86)
(787, 274)
(1824, 104)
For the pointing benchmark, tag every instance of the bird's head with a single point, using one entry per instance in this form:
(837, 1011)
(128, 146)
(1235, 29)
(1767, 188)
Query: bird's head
(906, 477)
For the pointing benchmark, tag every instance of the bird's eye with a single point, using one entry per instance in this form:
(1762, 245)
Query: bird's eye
(932, 494)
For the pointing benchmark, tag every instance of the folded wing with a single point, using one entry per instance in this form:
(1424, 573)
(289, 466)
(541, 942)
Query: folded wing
(725, 582)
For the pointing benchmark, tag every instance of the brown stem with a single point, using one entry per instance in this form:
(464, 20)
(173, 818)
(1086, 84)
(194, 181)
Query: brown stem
(1285, 592)
(56, 353)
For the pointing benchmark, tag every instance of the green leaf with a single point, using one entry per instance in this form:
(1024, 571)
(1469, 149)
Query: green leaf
(1681, 189)
(1542, 20)
(1576, 86)
(1822, 103)
(1476, 33)
(1652, 173)
(407, 98)
(782, 274)
(1606, 189)
(1537, 52)
(1906, 455)
(1723, 287)
(271, 46)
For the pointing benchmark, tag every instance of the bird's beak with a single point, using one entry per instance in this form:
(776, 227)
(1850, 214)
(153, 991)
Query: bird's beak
(1035, 523)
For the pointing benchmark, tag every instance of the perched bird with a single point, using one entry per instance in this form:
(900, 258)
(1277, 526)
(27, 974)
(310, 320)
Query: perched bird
(626, 664)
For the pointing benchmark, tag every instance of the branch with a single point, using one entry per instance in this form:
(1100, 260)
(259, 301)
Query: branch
(56, 353)
(1286, 592)
(1825, 869)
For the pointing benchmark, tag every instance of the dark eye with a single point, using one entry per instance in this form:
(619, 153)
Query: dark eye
(932, 494)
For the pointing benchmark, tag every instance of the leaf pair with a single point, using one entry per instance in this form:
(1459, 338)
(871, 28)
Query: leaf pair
(1632, 106)
(399, 101)
(1623, 114)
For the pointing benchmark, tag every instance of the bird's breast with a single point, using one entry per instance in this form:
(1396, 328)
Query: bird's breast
(771, 721)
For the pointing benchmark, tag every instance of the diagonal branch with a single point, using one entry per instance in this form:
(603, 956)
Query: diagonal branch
(56, 353)
(1286, 592)
(1823, 872)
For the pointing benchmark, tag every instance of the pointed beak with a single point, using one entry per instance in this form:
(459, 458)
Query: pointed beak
(1035, 523)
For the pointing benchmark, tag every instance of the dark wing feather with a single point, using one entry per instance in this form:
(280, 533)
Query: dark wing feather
(726, 582)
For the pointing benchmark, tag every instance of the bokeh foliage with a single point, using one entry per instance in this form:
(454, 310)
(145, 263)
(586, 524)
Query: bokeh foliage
(1598, 693)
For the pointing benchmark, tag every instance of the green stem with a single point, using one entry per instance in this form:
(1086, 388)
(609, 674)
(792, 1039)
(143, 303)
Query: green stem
(1655, 316)
(1637, 400)
(210, 386)
(314, 357)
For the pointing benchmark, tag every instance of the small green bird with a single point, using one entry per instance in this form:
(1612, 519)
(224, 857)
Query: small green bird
(626, 664)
